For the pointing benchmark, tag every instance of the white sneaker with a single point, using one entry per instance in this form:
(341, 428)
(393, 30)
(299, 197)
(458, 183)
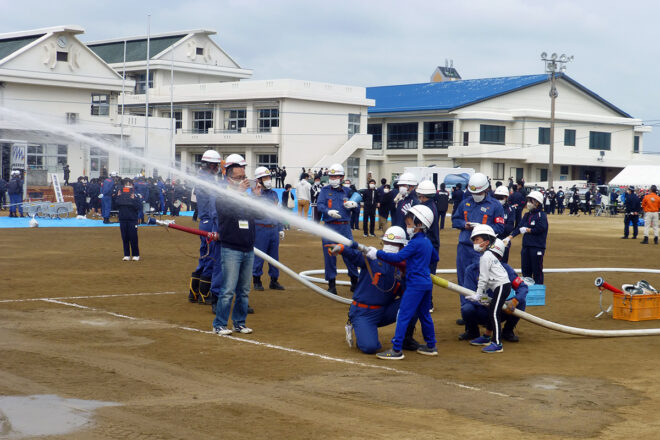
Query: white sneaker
(126, 258)
(136, 258)
(242, 329)
(349, 334)
(222, 330)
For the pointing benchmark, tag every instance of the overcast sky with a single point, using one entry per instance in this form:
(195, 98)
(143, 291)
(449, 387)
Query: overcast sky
(368, 43)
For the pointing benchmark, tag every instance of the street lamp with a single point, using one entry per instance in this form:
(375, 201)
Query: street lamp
(553, 65)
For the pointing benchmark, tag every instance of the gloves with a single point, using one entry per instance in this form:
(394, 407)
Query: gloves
(281, 235)
(398, 198)
(371, 253)
(507, 241)
(334, 213)
(524, 230)
(335, 249)
(100, 196)
(511, 305)
(349, 204)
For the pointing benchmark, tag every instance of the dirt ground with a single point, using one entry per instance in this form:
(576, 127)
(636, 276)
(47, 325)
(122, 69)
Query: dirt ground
(294, 377)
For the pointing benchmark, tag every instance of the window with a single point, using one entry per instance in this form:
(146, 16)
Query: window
(376, 132)
(202, 121)
(544, 136)
(100, 104)
(50, 157)
(353, 124)
(543, 174)
(466, 138)
(98, 160)
(268, 118)
(402, 136)
(438, 134)
(492, 134)
(599, 140)
(234, 120)
(199, 51)
(636, 144)
(178, 119)
(197, 160)
(563, 169)
(141, 82)
(130, 166)
(267, 160)
(498, 170)
(63, 56)
(353, 169)
(569, 138)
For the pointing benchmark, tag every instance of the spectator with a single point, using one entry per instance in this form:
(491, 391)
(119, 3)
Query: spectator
(355, 212)
(456, 197)
(371, 200)
(303, 189)
(386, 206)
(283, 176)
(442, 204)
(15, 190)
(67, 174)
(128, 204)
(315, 191)
(3, 193)
(651, 206)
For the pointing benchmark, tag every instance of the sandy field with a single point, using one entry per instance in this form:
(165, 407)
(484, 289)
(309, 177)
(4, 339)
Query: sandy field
(79, 323)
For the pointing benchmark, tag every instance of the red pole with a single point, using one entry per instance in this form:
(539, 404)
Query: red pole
(211, 236)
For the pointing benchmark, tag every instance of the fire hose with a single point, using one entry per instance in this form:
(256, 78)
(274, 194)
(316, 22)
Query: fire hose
(440, 282)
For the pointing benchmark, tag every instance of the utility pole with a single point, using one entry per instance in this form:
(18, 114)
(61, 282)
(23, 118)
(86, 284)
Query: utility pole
(553, 66)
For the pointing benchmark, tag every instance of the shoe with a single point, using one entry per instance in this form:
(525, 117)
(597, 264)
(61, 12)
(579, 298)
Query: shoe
(372, 235)
(391, 355)
(366, 236)
(250, 311)
(645, 241)
(481, 340)
(332, 288)
(106, 221)
(410, 344)
(625, 237)
(467, 336)
(256, 283)
(492, 348)
(222, 330)
(460, 321)
(242, 329)
(126, 259)
(426, 350)
(510, 336)
(431, 310)
(274, 285)
(136, 258)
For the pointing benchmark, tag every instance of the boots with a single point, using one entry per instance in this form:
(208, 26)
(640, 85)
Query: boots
(256, 283)
(194, 288)
(645, 241)
(655, 240)
(354, 281)
(332, 288)
(274, 285)
(204, 291)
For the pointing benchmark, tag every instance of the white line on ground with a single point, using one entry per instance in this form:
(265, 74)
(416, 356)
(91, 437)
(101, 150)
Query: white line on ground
(87, 297)
(258, 343)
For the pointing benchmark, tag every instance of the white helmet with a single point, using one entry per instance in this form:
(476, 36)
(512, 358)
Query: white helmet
(235, 159)
(261, 172)
(536, 195)
(482, 230)
(15, 173)
(114, 174)
(426, 188)
(501, 191)
(211, 156)
(395, 234)
(498, 247)
(336, 170)
(423, 214)
(407, 179)
(478, 183)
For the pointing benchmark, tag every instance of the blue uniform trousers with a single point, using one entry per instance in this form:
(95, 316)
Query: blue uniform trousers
(106, 206)
(366, 322)
(205, 264)
(15, 202)
(215, 255)
(475, 315)
(465, 256)
(267, 240)
(415, 303)
(531, 263)
(330, 261)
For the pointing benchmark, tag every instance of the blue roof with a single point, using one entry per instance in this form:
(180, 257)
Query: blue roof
(451, 95)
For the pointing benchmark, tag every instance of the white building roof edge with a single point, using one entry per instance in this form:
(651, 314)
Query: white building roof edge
(143, 37)
(74, 29)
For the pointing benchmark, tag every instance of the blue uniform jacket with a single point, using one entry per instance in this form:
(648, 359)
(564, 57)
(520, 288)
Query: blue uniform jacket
(518, 285)
(108, 187)
(418, 255)
(142, 189)
(537, 222)
(457, 196)
(402, 208)
(509, 220)
(333, 198)
(488, 212)
(268, 196)
(15, 186)
(433, 233)
(389, 279)
(632, 203)
(206, 199)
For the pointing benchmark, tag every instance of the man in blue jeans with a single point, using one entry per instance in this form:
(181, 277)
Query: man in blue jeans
(237, 234)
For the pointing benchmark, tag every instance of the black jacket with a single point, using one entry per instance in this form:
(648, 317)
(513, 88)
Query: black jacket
(632, 204)
(370, 198)
(235, 224)
(442, 200)
(128, 204)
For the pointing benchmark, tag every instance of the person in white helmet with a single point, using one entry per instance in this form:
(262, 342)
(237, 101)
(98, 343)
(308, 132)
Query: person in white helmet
(502, 195)
(534, 229)
(202, 276)
(405, 198)
(426, 193)
(492, 275)
(335, 208)
(268, 232)
(416, 302)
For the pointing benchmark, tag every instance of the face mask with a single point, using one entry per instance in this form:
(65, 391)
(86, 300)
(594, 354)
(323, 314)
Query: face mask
(316, 182)
(372, 186)
(502, 201)
(268, 184)
(347, 185)
(478, 197)
(530, 205)
(477, 247)
(390, 248)
(403, 190)
(334, 182)
(386, 190)
(410, 231)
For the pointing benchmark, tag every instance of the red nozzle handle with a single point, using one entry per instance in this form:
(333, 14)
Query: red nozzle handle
(601, 284)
